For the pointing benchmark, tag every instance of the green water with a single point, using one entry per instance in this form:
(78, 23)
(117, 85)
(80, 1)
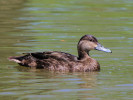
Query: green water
(47, 25)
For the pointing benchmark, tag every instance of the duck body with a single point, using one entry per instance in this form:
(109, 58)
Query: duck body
(60, 61)
(57, 61)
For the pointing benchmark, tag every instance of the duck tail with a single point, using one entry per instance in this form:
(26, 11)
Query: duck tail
(15, 59)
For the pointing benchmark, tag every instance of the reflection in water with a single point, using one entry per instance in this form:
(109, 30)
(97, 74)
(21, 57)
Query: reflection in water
(89, 84)
(79, 84)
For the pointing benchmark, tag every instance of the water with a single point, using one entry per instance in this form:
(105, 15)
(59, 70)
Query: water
(47, 25)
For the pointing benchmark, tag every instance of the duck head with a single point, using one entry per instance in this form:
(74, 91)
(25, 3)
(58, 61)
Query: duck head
(89, 42)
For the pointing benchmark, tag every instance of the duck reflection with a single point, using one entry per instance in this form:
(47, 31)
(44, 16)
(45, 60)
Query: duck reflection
(65, 84)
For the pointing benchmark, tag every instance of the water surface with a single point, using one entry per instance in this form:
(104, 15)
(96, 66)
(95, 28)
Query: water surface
(47, 25)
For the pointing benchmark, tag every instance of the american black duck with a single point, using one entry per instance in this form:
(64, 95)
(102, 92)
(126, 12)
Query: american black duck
(61, 61)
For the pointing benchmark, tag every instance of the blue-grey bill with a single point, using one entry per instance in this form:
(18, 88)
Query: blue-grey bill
(101, 48)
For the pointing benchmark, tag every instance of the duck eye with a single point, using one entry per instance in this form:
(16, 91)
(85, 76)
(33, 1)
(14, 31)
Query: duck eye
(91, 40)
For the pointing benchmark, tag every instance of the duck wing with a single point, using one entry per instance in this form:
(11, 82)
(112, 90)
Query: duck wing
(45, 59)
(53, 55)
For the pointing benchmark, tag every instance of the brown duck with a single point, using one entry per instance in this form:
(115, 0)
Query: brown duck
(60, 61)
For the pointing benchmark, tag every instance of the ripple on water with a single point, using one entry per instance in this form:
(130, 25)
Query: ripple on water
(125, 85)
(8, 93)
(71, 90)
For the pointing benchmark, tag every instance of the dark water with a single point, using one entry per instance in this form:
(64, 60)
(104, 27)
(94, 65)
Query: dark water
(47, 25)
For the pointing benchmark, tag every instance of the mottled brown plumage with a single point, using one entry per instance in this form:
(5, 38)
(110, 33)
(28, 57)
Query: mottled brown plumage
(60, 61)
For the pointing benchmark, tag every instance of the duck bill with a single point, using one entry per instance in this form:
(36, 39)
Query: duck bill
(101, 48)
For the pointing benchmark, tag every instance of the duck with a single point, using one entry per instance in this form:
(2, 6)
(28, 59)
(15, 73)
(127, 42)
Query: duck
(61, 61)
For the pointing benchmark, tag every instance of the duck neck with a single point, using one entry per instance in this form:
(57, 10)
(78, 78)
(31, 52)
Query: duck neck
(82, 54)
